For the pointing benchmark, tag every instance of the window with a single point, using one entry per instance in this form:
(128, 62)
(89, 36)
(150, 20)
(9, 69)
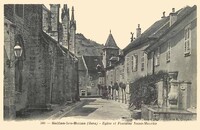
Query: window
(127, 64)
(95, 60)
(83, 92)
(134, 62)
(123, 71)
(157, 57)
(168, 52)
(187, 40)
(142, 61)
(19, 10)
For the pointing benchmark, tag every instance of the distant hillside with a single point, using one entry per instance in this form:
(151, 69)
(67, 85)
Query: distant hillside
(87, 47)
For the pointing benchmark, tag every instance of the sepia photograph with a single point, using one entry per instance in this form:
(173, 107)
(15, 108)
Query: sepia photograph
(100, 62)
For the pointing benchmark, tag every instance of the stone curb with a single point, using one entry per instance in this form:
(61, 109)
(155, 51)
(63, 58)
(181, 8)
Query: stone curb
(64, 111)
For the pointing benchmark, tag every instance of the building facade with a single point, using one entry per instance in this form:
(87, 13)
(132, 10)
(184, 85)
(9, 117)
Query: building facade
(89, 76)
(46, 73)
(170, 46)
(176, 51)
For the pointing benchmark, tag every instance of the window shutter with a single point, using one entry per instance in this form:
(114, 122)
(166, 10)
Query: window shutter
(158, 56)
(187, 38)
(136, 61)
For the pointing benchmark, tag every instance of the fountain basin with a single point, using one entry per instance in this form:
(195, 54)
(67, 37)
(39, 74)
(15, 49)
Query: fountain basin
(150, 112)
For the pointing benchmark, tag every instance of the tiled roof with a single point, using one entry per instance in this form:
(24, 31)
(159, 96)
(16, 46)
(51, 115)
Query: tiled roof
(156, 30)
(151, 31)
(181, 14)
(81, 65)
(92, 62)
(110, 43)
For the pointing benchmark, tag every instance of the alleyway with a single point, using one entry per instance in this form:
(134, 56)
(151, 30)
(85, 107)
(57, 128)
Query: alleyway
(96, 108)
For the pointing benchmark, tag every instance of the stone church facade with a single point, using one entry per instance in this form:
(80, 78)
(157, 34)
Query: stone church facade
(47, 71)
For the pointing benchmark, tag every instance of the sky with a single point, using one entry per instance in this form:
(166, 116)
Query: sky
(95, 18)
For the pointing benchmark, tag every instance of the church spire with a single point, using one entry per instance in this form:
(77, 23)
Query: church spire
(65, 12)
(72, 46)
(72, 17)
(73, 21)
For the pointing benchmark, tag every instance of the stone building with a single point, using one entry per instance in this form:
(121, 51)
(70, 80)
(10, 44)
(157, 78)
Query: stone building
(169, 46)
(47, 72)
(175, 52)
(111, 53)
(65, 31)
(88, 75)
(110, 50)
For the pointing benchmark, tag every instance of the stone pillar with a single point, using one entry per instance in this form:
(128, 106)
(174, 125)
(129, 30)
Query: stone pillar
(184, 95)
(160, 89)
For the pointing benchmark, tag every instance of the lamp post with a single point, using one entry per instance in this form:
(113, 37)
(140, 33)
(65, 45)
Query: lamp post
(101, 73)
(17, 53)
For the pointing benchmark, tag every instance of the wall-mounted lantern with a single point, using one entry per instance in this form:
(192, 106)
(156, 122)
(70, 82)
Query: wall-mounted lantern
(17, 53)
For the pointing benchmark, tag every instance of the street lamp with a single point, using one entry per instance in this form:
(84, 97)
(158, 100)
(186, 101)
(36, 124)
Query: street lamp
(17, 53)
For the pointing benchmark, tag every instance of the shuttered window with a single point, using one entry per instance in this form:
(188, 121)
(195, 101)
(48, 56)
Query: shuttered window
(187, 40)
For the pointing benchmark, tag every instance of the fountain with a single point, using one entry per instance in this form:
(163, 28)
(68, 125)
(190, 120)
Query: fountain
(173, 101)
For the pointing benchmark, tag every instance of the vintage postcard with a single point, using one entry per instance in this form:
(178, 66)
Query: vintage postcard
(100, 63)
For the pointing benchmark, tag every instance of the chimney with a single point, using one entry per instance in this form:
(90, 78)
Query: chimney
(163, 15)
(173, 17)
(54, 8)
(138, 31)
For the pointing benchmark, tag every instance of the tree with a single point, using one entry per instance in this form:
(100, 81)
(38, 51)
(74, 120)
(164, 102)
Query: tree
(143, 90)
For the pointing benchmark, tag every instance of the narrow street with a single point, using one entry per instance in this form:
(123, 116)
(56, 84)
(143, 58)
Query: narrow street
(97, 108)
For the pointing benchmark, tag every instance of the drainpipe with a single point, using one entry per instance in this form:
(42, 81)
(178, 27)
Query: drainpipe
(153, 69)
(78, 98)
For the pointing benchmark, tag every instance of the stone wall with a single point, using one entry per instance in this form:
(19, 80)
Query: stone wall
(9, 72)
(44, 74)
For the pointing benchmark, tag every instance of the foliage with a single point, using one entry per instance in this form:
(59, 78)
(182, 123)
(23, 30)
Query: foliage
(143, 90)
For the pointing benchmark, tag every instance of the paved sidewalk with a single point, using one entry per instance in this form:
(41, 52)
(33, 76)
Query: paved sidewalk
(55, 113)
(59, 114)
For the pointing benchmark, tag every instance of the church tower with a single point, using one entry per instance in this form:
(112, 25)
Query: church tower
(65, 25)
(110, 50)
(72, 46)
(54, 8)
